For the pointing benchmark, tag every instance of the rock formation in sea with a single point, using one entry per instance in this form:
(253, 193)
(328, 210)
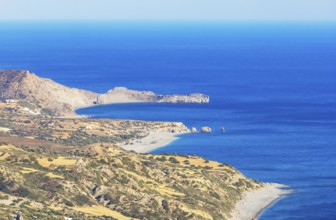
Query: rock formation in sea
(194, 130)
(206, 130)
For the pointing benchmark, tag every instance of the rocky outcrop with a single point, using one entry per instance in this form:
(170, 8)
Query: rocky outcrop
(60, 100)
(206, 130)
(194, 130)
(16, 217)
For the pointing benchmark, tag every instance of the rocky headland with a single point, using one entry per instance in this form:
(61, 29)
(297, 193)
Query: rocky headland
(54, 99)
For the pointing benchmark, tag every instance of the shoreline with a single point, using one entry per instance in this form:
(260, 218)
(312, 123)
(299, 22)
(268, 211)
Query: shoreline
(152, 141)
(254, 203)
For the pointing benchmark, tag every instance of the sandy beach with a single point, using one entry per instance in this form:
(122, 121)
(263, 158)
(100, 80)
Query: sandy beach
(152, 141)
(253, 203)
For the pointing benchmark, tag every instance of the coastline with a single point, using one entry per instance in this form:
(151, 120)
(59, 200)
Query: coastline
(250, 204)
(253, 203)
(151, 142)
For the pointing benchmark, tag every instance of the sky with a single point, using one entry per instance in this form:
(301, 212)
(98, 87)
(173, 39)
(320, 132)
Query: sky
(199, 10)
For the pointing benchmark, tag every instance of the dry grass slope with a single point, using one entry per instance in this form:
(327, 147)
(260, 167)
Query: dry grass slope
(56, 167)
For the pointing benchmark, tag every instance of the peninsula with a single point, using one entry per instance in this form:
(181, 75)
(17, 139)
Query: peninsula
(61, 101)
(55, 165)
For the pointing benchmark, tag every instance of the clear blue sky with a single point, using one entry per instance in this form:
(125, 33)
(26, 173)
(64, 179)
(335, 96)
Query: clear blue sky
(228, 10)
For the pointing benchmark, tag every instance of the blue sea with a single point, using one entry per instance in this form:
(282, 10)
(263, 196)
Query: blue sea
(272, 86)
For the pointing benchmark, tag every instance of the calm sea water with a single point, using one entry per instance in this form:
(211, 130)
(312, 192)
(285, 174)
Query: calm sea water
(272, 87)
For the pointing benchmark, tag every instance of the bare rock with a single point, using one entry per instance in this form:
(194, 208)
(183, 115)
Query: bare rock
(206, 130)
(194, 130)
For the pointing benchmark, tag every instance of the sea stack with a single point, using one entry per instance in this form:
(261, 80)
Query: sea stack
(194, 130)
(206, 130)
(223, 129)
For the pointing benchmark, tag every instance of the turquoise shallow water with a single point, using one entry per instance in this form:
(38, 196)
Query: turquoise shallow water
(272, 86)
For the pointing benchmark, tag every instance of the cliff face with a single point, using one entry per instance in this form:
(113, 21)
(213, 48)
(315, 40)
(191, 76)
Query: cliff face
(62, 100)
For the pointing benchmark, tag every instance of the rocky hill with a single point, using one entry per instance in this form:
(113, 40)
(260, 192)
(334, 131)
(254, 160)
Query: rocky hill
(44, 93)
(55, 99)
(102, 181)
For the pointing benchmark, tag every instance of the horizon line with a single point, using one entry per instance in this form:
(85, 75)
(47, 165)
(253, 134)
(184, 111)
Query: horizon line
(172, 20)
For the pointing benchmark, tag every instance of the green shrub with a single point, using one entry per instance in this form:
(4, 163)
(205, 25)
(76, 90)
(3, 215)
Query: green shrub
(163, 158)
(68, 203)
(215, 195)
(26, 104)
(48, 112)
(173, 160)
(82, 200)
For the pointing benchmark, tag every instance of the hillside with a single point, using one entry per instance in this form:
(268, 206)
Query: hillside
(106, 182)
(53, 99)
(56, 167)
